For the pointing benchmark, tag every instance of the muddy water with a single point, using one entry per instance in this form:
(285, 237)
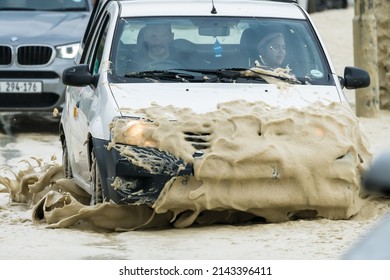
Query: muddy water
(316, 239)
(23, 136)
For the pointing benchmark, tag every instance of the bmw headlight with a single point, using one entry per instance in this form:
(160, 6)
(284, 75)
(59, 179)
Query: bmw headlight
(136, 132)
(68, 51)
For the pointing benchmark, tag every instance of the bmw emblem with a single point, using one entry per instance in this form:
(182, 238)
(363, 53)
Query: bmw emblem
(14, 39)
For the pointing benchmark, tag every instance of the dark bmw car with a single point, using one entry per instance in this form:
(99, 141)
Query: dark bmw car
(38, 40)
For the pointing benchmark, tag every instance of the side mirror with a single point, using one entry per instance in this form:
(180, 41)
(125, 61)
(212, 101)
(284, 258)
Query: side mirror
(214, 31)
(355, 78)
(78, 76)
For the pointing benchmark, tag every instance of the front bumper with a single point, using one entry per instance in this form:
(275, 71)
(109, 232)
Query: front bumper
(135, 175)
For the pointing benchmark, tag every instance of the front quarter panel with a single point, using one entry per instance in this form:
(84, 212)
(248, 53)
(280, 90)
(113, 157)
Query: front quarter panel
(91, 108)
(76, 128)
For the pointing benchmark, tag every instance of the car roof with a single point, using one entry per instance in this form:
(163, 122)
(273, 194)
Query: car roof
(255, 8)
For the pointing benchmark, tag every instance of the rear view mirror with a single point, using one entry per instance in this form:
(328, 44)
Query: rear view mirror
(214, 31)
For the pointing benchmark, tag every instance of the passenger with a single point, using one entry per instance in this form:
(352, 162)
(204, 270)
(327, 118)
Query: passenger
(272, 50)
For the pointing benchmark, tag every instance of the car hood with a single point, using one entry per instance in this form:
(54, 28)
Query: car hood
(202, 99)
(57, 28)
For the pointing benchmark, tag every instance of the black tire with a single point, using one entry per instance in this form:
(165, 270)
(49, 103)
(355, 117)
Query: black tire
(96, 184)
(66, 161)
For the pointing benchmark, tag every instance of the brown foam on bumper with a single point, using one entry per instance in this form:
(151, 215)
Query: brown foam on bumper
(258, 161)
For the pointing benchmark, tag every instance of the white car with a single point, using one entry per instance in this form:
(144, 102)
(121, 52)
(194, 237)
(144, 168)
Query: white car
(210, 134)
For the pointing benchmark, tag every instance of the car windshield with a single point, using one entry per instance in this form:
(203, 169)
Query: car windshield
(44, 5)
(198, 49)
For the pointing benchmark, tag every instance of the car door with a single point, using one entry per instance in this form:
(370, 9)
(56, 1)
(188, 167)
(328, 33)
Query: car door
(81, 101)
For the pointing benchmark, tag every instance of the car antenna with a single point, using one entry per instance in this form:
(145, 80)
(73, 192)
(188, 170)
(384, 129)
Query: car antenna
(213, 10)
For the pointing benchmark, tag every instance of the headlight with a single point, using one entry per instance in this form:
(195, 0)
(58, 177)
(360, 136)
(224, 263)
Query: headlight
(68, 51)
(135, 132)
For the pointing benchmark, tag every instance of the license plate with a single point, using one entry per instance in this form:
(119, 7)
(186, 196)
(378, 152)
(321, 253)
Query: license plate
(21, 87)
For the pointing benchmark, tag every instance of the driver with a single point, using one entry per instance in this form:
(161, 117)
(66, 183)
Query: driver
(158, 39)
(154, 49)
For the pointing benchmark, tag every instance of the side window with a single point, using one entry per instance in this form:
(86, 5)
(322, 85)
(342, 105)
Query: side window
(99, 53)
(94, 51)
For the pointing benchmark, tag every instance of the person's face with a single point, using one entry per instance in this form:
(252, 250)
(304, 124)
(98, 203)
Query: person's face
(274, 51)
(158, 39)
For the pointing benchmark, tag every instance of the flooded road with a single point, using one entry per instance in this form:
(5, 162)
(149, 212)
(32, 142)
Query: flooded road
(24, 136)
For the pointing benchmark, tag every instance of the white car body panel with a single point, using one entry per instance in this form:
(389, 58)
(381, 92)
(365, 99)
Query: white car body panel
(140, 8)
(202, 99)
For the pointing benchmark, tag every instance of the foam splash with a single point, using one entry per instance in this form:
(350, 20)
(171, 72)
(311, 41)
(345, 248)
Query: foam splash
(258, 161)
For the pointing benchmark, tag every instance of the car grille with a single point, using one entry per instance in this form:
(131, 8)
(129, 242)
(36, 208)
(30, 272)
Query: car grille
(200, 141)
(5, 55)
(34, 55)
(26, 55)
(29, 75)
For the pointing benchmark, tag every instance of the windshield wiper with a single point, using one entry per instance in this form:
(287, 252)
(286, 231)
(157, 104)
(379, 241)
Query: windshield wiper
(283, 76)
(225, 75)
(170, 75)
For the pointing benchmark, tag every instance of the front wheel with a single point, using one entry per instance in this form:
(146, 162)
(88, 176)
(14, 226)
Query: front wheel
(96, 184)
(66, 161)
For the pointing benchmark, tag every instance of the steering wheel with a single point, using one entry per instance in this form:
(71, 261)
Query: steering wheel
(164, 64)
